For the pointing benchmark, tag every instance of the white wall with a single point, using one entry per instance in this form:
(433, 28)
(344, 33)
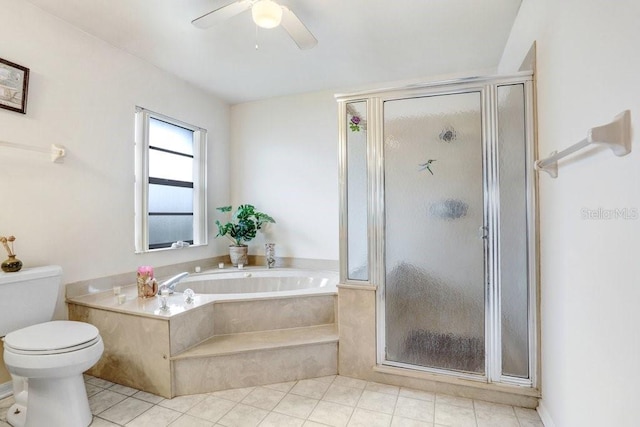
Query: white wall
(83, 94)
(588, 70)
(284, 155)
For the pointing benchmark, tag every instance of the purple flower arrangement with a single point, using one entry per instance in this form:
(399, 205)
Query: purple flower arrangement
(354, 124)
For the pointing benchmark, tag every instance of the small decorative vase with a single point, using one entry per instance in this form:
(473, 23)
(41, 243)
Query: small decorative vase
(11, 265)
(238, 255)
(270, 254)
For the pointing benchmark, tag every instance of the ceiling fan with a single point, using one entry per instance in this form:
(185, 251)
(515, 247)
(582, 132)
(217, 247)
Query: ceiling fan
(266, 14)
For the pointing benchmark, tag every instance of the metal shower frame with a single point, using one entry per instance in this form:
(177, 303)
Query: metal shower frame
(487, 87)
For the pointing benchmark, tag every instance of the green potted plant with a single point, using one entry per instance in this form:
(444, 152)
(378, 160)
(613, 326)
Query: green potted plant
(242, 227)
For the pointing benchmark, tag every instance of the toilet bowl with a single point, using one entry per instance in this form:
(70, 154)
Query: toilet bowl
(51, 357)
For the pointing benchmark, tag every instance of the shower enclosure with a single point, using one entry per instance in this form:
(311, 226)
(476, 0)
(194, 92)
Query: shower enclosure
(438, 212)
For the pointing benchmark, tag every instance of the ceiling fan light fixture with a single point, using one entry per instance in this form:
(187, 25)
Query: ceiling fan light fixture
(266, 14)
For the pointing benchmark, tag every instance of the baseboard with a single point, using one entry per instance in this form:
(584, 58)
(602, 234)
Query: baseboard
(544, 415)
(6, 389)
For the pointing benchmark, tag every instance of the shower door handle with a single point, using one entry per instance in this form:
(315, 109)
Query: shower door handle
(483, 232)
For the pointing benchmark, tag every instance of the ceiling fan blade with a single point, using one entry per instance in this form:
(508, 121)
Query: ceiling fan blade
(296, 29)
(221, 14)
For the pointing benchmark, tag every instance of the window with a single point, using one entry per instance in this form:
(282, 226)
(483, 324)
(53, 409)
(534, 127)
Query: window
(170, 183)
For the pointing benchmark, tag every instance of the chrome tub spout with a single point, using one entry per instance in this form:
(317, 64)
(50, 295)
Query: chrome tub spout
(170, 284)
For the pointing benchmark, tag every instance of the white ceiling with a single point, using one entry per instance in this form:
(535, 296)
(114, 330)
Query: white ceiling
(360, 42)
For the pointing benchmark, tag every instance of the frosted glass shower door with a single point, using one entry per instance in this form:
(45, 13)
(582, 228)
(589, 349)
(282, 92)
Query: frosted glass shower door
(433, 233)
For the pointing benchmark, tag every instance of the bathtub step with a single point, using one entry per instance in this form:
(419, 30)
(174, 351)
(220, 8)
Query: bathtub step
(256, 358)
(264, 340)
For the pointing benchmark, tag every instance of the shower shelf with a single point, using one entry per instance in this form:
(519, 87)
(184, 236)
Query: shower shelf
(615, 135)
(57, 152)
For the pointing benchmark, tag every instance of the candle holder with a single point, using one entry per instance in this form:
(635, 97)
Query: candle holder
(270, 254)
(147, 285)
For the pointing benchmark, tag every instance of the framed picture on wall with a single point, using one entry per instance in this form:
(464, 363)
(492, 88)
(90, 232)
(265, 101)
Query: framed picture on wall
(14, 82)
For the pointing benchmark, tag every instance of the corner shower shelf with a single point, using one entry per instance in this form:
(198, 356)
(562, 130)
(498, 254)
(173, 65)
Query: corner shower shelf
(57, 152)
(615, 135)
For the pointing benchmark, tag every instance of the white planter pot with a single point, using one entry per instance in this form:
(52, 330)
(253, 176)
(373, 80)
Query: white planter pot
(238, 254)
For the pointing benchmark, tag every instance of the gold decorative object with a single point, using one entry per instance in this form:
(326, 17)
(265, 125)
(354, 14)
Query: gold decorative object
(12, 264)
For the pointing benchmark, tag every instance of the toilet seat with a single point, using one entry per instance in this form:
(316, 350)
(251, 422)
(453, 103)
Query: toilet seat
(56, 337)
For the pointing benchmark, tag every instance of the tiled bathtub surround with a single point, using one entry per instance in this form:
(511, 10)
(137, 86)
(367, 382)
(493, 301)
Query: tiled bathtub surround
(324, 401)
(216, 342)
(102, 284)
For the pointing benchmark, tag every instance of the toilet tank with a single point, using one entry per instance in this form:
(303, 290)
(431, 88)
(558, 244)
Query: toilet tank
(28, 297)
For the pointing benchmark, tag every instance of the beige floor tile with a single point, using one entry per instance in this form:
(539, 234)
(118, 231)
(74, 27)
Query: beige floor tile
(92, 389)
(530, 423)
(123, 389)
(407, 422)
(416, 409)
(234, 394)
(456, 416)
(243, 416)
(99, 382)
(263, 398)
(190, 421)
(317, 402)
(493, 408)
(349, 382)
(417, 394)
(454, 400)
(125, 411)
(383, 388)
(183, 403)
(332, 414)
(310, 388)
(296, 406)
(379, 402)
(211, 408)
(148, 397)
(6, 402)
(103, 400)
(366, 418)
(275, 419)
(527, 414)
(97, 422)
(496, 419)
(283, 387)
(155, 417)
(343, 395)
(326, 379)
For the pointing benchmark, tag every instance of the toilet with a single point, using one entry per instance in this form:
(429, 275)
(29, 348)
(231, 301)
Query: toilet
(45, 358)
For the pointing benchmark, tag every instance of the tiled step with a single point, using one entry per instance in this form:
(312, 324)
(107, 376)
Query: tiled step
(256, 358)
(220, 345)
(234, 317)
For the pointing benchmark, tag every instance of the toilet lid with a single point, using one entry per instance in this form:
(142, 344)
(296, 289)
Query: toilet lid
(52, 337)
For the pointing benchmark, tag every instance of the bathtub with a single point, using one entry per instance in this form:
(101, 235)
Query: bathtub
(238, 322)
(256, 283)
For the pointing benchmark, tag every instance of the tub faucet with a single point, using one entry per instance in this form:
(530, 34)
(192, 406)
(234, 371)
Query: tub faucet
(170, 284)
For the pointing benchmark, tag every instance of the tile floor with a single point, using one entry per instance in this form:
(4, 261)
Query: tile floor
(325, 401)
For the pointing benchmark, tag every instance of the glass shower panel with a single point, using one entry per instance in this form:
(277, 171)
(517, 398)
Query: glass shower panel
(514, 296)
(434, 251)
(357, 252)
